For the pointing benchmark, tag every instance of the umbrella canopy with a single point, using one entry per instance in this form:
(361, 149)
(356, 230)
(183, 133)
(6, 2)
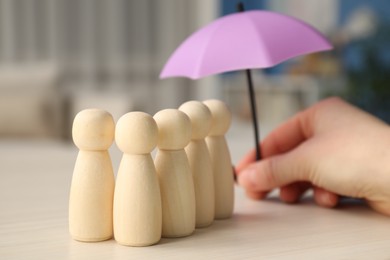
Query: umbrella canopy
(252, 39)
(244, 40)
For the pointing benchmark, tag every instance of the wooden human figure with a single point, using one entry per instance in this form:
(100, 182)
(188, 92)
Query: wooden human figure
(174, 173)
(137, 199)
(92, 188)
(220, 159)
(200, 161)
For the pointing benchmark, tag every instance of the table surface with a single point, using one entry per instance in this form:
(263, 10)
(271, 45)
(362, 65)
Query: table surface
(35, 178)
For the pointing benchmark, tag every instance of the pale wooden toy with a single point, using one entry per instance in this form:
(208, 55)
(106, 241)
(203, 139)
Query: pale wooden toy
(220, 158)
(137, 199)
(200, 161)
(92, 188)
(173, 169)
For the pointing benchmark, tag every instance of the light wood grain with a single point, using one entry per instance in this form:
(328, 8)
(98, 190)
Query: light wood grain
(200, 162)
(34, 190)
(174, 173)
(202, 175)
(137, 199)
(220, 158)
(92, 188)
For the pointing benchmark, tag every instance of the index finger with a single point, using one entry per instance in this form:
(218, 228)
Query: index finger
(288, 135)
(283, 139)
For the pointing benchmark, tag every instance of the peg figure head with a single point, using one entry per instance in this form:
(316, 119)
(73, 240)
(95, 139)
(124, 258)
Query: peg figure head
(174, 129)
(136, 133)
(221, 117)
(200, 117)
(93, 130)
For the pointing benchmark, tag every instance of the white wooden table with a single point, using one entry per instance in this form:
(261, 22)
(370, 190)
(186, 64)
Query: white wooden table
(34, 187)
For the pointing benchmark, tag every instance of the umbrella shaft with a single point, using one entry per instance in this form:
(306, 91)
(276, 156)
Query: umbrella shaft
(254, 113)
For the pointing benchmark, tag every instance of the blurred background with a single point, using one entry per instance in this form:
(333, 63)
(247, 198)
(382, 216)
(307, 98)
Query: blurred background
(60, 56)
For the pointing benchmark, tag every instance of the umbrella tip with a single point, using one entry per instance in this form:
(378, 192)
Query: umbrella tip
(240, 7)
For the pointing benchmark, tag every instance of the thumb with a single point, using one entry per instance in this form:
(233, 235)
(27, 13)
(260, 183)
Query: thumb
(275, 171)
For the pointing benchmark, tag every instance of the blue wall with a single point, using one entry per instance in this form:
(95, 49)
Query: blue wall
(380, 7)
(230, 6)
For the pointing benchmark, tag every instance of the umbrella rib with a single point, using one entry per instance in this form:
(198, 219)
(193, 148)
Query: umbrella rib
(261, 43)
(201, 57)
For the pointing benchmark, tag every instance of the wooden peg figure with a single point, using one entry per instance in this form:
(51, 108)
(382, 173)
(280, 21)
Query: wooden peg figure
(220, 158)
(137, 199)
(174, 173)
(92, 189)
(200, 161)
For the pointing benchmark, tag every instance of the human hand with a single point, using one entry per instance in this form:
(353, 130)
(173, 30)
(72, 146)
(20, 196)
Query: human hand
(333, 147)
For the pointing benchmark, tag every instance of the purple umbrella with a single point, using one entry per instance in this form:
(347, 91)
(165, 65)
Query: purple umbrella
(245, 40)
